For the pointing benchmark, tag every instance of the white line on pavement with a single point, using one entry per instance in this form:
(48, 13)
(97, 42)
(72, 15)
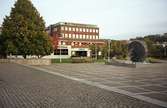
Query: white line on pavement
(108, 88)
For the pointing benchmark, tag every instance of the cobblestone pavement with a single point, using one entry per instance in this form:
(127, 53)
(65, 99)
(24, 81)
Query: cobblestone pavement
(148, 80)
(23, 87)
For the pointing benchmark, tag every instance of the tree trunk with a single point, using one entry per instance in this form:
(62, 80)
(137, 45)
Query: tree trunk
(25, 56)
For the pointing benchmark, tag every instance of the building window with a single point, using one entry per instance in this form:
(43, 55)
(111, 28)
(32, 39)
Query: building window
(80, 36)
(63, 52)
(97, 30)
(77, 29)
(93, 30)
(96, 37)
(62, 35)
(55, 29)
(90, 30)
(69, 28)
(69, 35)
(59, 42)
(66, 28)
(87, 30)
(72, 43)
(73, 29)
(93, 37)
(80, 29)
(77, 36)
(62, 28)
(63, 43)
(90, 36)
(83, 36)
(87, 36)
(66, 35)
(83, 29)
(73, 35)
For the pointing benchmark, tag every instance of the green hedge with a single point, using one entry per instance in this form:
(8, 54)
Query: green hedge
(152, 60)
(63, 60)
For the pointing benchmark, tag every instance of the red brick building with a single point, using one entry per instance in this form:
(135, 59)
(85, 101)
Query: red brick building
(74, 39)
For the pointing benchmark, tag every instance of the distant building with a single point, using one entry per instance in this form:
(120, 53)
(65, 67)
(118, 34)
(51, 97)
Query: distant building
(73, 39)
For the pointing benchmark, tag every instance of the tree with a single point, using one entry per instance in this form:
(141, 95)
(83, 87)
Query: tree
(94, 50)
(119, 49)
(137, 51)
(104, 50)
(23, 32)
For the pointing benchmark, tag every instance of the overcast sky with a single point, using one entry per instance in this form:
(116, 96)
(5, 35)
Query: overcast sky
(117, 19)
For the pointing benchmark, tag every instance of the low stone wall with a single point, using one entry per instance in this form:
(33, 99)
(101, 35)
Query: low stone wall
(27, 61)
(117, 63)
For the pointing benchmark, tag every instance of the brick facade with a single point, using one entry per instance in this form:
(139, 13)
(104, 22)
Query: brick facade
(74, 35)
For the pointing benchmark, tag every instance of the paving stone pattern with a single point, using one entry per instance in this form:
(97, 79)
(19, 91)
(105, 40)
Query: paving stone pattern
(147, 80)
(23, 87)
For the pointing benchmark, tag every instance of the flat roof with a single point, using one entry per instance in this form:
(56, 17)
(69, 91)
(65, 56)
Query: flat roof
(92, 40)
(75, 24)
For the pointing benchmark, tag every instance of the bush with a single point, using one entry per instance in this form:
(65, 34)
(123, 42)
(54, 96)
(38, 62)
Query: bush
(152, 60)
(82, 60)
(63, 60)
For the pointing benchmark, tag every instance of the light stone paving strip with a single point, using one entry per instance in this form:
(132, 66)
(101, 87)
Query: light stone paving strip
(141, 97)
(122, 83)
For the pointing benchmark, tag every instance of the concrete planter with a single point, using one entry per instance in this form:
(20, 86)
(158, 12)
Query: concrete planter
(27, 61)
(117, 63)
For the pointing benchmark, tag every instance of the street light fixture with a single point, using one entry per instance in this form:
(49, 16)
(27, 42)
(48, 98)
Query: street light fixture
(96, 51)
(60, 50)
(109, 48)
(164, 46)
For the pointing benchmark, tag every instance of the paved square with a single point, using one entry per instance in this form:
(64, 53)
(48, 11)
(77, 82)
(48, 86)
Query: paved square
(83, 86)
(146, 80)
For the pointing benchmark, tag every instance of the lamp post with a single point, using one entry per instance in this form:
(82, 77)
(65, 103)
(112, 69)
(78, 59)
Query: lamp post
(96, 50)
(164, 46)
(60, 51)
(109, 48)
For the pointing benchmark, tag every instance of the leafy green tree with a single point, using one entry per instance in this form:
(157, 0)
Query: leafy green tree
(119, 49)
(137, 51)
(104, 50)
(94, 50)
(23, 31)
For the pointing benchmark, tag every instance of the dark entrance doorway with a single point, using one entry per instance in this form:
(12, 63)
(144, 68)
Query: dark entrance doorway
(81, 53)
